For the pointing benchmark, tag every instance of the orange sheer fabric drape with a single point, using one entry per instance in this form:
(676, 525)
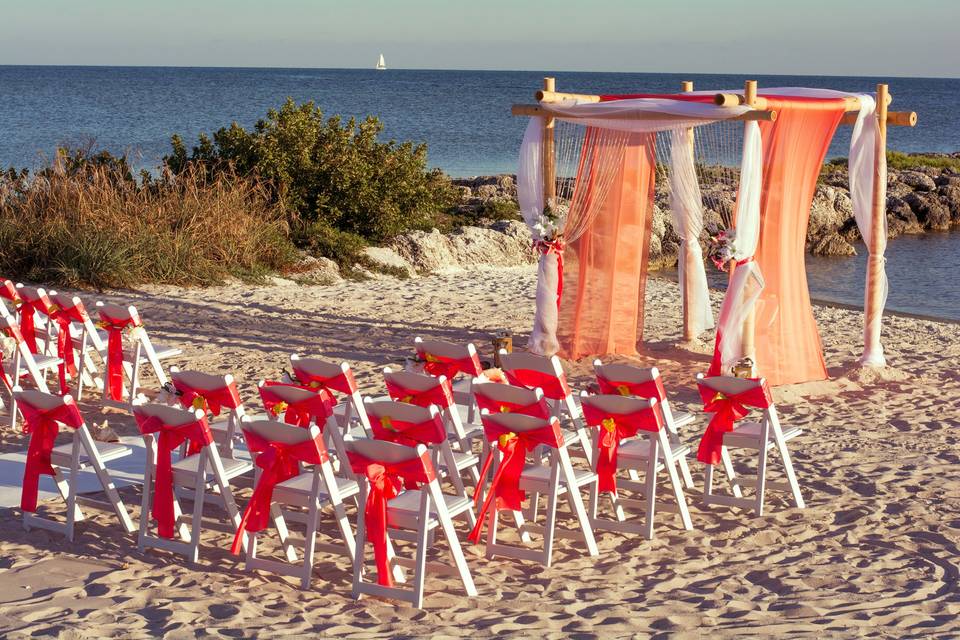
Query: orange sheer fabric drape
(605, 270)
(788, 345)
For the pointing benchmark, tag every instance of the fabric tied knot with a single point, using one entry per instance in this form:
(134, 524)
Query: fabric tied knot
(727, 410)
(557, 247)
(279, 462)
(43, 427)
(68, 364)
(343, 382)
(613, 429)
(170, 437)
(505, 485)
(114, 328)
(315, 408)
(644, 389)
(437, 365)
(440, 394)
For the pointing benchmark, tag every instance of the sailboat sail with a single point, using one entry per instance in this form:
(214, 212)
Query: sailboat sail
(381, 63)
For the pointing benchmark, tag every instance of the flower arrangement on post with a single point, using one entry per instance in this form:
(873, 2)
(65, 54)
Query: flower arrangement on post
(721, 247)
(549, 224)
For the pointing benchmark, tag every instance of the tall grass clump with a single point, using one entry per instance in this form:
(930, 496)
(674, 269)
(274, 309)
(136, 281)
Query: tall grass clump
(91, 224)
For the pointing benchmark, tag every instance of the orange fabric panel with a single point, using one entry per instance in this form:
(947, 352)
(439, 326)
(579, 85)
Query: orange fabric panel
(605, 270)
(787, 342)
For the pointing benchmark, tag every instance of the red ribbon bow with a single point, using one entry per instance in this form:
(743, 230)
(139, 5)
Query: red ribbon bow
(68, 364)
(437, 365)
(170, 437)
(385, 481)
(613, 429)
(440, 394)
(28, 327)
(43, 427)
(212, 400)
(727, 409)
(279, 462)
(553, 386)
(114, 328)
(317, 407)
(505, 486)
(553, 246)
(343, 382)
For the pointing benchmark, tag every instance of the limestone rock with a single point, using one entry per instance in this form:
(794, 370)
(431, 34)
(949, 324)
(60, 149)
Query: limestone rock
(918, 181)
(900, 218)
(930, 211)
(425, 250)
(385, 259)
(833, 244)
(950, 196)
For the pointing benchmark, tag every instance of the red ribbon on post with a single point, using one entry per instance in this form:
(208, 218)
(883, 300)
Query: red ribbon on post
(315, 408)
(343, 382)
(210, 400)
(557, 247)
(68, 364)
(168, 439)
(537, 409)
(279, 462)
(727, 410)
(553, 386)
(28, 327)
(614, 428)
(114, 328)
(437, 365)
(440, 394)
(646, 389)
(505, 486)
(384, 484)
(406, 433)
(43, 427)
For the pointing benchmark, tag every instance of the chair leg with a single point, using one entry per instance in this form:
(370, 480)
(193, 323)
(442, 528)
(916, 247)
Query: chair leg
(549, 526)
(788, 467)
(106, 481)
(339, 512)
(420, 569)
(670, 464)
(761, 477)
(276, 514)
(651, 487)
(731, 476)
(72, 509)
(576, 502)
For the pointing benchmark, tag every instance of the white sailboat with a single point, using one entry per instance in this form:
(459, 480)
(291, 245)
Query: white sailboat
(381, 64)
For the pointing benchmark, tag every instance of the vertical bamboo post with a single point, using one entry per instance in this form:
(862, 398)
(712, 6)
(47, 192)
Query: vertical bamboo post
(873, 349)
(549, 165)
(750, 323)
(688, 266)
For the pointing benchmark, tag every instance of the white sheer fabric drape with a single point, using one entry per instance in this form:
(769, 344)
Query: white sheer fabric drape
(686, 207)
(863, 155)
(740, 297)
(616, 114)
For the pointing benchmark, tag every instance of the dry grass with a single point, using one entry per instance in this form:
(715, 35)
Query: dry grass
(94, 228)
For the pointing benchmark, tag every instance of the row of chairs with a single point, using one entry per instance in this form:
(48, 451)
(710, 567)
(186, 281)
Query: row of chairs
(320, 445)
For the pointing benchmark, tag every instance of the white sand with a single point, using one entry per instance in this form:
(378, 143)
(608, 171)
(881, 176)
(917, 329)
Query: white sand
(875, 552)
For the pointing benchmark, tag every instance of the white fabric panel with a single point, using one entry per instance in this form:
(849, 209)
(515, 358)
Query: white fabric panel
(863, 152)
(686, 206)
(618, 114)
(530, 173)
(543, 337)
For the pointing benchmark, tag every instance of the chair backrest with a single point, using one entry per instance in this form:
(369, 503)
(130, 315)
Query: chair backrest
(517, 422)
(635, 412)
(418, 388)
(299, 405)
(628, 380)
(385, 452)
(729, 385)
(389, 418)
(169, 416)
(507, 398)
(452, 357)
(10, 327)
(36, 297)
(8, 291)
(216, 391)
(42, 401)
(531, 370)
(201, 381)
(329, 375)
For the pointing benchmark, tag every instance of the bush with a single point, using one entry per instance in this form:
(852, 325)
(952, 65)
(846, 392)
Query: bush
(334, 174)
(80, 224)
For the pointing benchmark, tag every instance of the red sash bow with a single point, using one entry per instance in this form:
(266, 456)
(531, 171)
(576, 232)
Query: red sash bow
(170, 437)
(727, 409)
(114, 328)
(384, 484)
(646, 389)
(554, 387)
(343, 382)
(27, 326)
(317, 407)
(211, 400)
(410, 434)
(43, 427)
(279, 462)
(437, 366)
(440, 394)
(505, 486)
(68, 364)
(553, 246)
(613, 429)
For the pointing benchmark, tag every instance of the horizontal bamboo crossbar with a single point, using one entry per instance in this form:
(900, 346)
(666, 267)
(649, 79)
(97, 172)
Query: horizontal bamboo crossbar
(537, 110)
(894, 118)
(556, 96)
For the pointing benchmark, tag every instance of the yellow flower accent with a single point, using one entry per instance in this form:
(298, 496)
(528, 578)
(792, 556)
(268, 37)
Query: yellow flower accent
(406, 399)
(314, 384)
(430, 358)
(279, 408)
(609, 424)
(504, 409)
(199, 403)
(52, 309)
(387, 424)
(623, 390)
(719, 396)
(505, 438)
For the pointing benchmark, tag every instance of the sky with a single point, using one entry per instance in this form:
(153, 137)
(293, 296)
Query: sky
(817, 37)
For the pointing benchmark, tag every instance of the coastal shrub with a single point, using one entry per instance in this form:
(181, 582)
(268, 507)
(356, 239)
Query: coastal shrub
(93, 225)
(328, 171)
(900, 160)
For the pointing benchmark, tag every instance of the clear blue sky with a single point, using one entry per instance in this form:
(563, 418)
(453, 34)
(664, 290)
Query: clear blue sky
(819, 37)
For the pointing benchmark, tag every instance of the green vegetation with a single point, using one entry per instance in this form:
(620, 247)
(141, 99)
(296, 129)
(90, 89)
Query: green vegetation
(900, 160)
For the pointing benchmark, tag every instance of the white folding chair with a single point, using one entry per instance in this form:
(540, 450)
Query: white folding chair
(22, 364)
(459, 363)
(334, 378)
(115, 320)
(43, 414)
(512, 436)
(87, 340)
(388, 508)
(619, 420)
(218, 396)
(296, 405)
(282, 450)
(36, 310)
(628, 380)
(762, 436)
(412, 425)
(164, 429)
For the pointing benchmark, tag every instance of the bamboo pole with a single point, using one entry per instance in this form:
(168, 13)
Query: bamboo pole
(689, 333)
(894, 118)
(549, 158)
(873, 306)
(549, 95)
(546, 112)
(750, 322)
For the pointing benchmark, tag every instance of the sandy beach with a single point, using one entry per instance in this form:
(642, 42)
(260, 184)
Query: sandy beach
(874, 554)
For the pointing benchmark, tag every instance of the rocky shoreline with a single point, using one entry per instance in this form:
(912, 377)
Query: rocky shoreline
(919, 199)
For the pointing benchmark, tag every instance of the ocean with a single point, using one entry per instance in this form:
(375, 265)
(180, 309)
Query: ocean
(463, 116)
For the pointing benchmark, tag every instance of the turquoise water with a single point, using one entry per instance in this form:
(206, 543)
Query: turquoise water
(464, 117)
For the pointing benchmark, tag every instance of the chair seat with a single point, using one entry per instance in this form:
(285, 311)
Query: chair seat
(633, 452)
(185, 470)
(43, 363)
(465, 460)
(683, 419)
(536, 477)
(403, 510)
(161, 351)
(747, 436)
(61, 455)
(296, 490)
